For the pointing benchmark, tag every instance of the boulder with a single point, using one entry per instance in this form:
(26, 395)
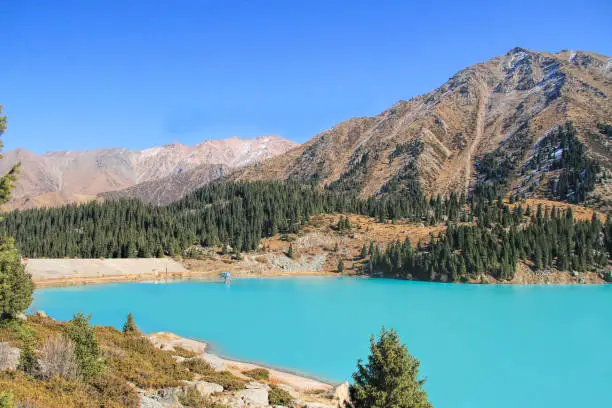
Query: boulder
(149, 402)
(340, 393)
(205, 388)
(179, 359)
(254, 385)
(170, 397)
(164, 398)
(253, 397)
(215, 362)
(9, 357)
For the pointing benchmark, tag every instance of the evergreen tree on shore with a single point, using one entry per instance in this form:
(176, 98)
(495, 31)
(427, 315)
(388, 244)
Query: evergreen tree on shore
(390, 378)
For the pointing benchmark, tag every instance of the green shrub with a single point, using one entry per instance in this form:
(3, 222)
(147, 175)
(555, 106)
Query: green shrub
(6, 399)
(198, 366)
(180, 351)
(258, 374)
(224, 378)
(192, 398)
(278, 396)
(110, 388)
(28, 362)
(86, 346)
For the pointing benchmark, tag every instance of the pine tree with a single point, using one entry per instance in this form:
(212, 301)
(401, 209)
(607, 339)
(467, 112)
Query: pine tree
(340, 265)
(129, 327)
(389, 378)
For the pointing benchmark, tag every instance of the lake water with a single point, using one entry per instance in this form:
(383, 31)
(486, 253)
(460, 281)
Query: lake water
(479, 345)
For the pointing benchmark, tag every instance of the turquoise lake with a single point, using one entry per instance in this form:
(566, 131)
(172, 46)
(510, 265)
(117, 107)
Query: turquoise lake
(479, 345)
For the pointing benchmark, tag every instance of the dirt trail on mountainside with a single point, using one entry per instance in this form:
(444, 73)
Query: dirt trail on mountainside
(480, 124)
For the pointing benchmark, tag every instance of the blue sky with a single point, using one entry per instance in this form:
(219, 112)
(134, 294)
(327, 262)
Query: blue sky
(86, 74)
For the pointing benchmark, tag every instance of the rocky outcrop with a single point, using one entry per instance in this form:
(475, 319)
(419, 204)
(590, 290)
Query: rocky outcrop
(164, 398)
(9, 357)
(205, 388)
(255, 394)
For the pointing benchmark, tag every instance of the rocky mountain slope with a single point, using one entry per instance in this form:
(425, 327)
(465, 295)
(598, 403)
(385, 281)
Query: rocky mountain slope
(74, 176)
(436, 140)
(173, 187)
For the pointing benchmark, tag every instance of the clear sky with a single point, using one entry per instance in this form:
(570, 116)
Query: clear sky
(86, 73)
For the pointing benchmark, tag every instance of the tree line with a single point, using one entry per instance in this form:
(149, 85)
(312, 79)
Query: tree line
(546, 239)
(223, 213)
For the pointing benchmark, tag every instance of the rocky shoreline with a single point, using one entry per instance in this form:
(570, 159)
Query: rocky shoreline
(306, 392)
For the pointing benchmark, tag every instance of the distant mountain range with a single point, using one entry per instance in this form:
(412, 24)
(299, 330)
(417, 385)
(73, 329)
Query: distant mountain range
(434, 142)
(75, 176)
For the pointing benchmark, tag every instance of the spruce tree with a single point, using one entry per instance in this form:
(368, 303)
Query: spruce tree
(390, 378)
(129, 327)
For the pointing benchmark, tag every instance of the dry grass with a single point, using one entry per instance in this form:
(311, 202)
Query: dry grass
(135, 359)
(58, 358)
(62, 393)
(205, 372)
(129, 358)
(580, 212)
(258, 374)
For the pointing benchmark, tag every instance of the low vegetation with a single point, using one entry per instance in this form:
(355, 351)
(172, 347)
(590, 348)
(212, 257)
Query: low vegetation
(258, 374)
(278, 396)
(80, 365)
(207, 373)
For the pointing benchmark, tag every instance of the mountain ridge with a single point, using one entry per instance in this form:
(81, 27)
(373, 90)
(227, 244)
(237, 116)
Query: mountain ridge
(506, 103)
(496, 110)
(60, 177)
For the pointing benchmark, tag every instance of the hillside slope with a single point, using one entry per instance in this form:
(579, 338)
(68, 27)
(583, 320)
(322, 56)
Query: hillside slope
(170, 188)
(436, 139)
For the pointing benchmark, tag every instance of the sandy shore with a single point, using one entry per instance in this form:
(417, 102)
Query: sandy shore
(168, 341)
(68, 272)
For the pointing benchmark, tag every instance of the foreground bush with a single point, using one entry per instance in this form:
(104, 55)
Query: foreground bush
(87, 350)
(278, 396)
